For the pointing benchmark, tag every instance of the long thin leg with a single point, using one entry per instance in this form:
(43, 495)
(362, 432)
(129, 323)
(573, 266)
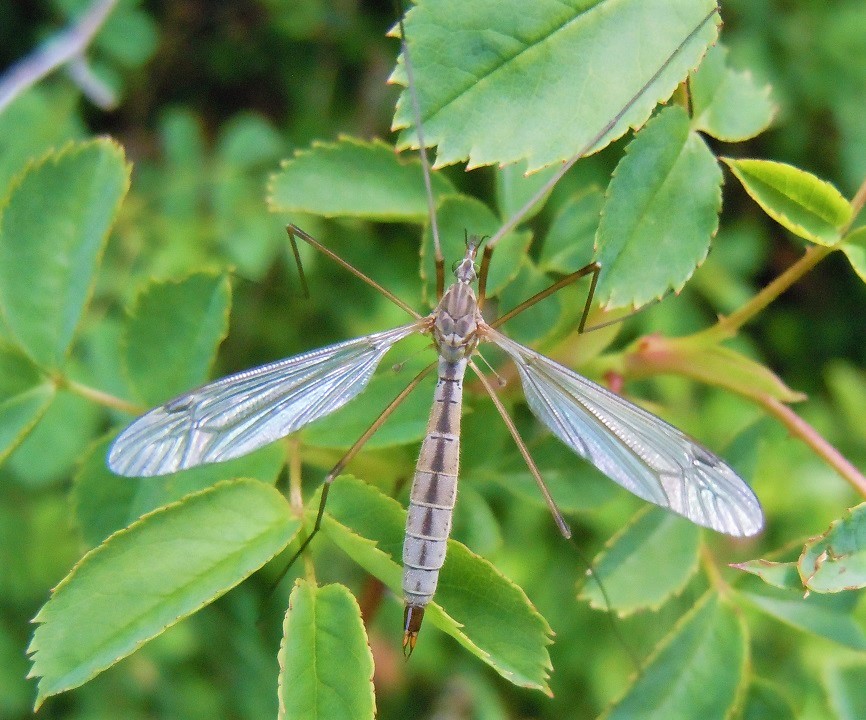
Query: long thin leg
(530, 463)
(345, 460)
(482, 274)
(551, 504)
(294, 231)
(425, 161)
(594, 268)
(301, 274)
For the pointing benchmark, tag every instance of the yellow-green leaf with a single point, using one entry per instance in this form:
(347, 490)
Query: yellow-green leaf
(854, 248)
(803, 203)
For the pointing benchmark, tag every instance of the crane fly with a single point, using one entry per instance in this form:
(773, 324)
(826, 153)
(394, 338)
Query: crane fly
(243, 412)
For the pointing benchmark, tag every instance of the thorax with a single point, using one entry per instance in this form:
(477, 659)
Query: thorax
(455, 328)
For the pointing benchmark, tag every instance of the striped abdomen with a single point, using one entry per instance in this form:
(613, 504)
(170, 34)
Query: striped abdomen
(431, 500)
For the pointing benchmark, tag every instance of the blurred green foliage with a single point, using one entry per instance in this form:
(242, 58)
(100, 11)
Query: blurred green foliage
(212, 97)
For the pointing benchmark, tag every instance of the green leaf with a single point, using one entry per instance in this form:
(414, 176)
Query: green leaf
(183, 147)
(714, 365)
(854, 248)
(53, 228)
(765, 700)
(827, 616)
(34, 122)
(247, 141)
(569, 243)
(804, 204)
(846, 689)
(356, 179)
(660, 212)
(538, 321)
(477, 605)
(728, 104)
(575, 484)
(514, 188)
(172, 335)
(146, 578)
(104, 502)
(782, 575)
(326, 667)
(475, 523)
(695, 672)
(24, 398)
(587, 61)
(459, 216)
(836, 560)
(644, 564)
(54, 448)
(129, 36)
(847, 385)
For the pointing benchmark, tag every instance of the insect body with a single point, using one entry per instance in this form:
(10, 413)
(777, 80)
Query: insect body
(455, 324)
(637, 450)
(243, 412)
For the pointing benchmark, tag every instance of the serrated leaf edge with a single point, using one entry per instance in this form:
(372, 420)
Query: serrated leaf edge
(766, 91)
(133, 312)
(780, 217)
(342, 141)
(33, 649)
(608, 545)
(439, 616)
(672, 287)
(669, 638)
(397, 77)
(56, 155)
(281, 653)
(817, 539)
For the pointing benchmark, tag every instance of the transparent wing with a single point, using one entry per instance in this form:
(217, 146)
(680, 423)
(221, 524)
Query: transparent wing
(243, 412)
(641, 452)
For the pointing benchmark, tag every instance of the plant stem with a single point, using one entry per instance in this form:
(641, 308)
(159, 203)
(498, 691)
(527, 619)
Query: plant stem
(64, 47)
(296, 497)
(728, 326)
(857, 203)
(809, 435)
(98, 396)
(712, 571)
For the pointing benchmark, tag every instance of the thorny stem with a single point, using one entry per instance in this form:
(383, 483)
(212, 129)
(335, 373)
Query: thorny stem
(98, 396)
(809, 435)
